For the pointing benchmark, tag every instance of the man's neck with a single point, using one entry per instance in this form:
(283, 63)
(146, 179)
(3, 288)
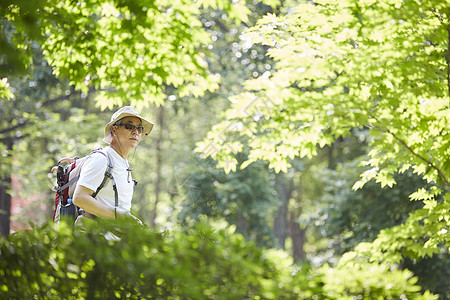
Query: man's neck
(116, 147)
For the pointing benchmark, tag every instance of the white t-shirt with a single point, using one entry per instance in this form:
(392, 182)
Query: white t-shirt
(93, 172)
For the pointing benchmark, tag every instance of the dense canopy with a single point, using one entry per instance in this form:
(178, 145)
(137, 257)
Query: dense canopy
(328, 122)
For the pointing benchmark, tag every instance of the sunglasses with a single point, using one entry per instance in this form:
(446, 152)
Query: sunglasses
(132, 127)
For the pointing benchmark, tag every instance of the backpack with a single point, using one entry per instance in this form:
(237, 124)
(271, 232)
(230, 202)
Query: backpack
(66, 180)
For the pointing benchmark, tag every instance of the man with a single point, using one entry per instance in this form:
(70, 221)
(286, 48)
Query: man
(124, 132)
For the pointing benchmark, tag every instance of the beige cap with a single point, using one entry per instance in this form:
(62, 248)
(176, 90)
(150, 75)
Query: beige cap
(127, 111)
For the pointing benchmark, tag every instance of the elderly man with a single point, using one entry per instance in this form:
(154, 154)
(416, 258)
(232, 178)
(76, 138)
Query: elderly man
(123, 134)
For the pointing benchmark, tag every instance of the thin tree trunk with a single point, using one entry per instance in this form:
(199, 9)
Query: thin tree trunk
(5, 205)
(331, 160)
(159, 154)
(280, 227)
(334, 153)
(298, 236)
(296, 233)
(5, 196)
(242, 224)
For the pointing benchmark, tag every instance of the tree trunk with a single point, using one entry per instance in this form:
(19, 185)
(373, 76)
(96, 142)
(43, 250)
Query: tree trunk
(334, 153)
(5, 205)
(280, 226)
(298, 237)
(285, 186)
(296, 233)
(159, 154)
(5, 186)
(242, 224)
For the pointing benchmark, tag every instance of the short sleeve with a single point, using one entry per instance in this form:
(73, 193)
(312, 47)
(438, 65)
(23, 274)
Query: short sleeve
(93, 171)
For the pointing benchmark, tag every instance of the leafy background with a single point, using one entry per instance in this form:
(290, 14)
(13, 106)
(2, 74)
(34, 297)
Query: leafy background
(328, 122)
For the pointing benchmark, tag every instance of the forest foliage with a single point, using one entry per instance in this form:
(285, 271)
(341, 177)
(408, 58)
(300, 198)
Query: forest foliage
(129, 50)
(335, 71)
(381, 66)
(59, 261)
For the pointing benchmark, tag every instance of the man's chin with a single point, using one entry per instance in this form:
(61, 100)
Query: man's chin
(134, 143)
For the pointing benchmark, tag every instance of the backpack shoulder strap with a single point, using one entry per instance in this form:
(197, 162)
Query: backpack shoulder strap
(108, 172)
(108, 175)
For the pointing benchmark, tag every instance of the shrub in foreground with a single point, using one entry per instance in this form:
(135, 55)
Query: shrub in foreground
(60, 262)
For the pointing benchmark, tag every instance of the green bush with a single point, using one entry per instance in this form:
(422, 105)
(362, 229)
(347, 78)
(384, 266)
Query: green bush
(357, 278)
(61, 262)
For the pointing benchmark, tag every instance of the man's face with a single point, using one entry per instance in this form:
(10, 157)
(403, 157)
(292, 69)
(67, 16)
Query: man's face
(129, 132)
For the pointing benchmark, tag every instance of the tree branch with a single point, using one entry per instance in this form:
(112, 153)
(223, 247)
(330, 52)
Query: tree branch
(65, 97)
(14, 127)
(441, 174)
(45, 104)
(8, 139)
